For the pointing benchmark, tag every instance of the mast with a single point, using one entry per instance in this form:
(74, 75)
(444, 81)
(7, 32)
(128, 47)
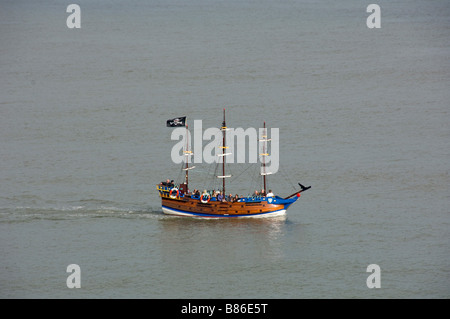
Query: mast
(224, 127)
(187, 157)
(223, 154)
(264, 153)
(264, 159)
(187, 154)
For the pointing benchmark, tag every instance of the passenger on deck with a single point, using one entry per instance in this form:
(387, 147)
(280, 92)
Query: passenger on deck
(263, 192)
(270, 194)
(236, 197)
(219, 197)
(166, 183)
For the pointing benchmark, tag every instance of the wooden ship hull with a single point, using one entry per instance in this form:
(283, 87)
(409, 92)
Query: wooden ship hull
(256, 207)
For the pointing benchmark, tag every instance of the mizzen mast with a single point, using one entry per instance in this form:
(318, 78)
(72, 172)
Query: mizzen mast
(264, 158)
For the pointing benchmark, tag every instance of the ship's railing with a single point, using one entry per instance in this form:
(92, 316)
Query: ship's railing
(163, 188)
(164, 191)
(250, 199)
(258, 199)
(247, 199)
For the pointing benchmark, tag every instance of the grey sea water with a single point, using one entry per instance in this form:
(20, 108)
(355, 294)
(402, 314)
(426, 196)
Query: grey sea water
(363, 117)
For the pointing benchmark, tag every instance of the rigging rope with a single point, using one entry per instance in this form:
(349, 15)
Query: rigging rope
(286, 176)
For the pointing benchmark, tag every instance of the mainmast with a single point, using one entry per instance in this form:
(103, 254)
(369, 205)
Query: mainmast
(224, 127)
(224, 143)
(264, 153)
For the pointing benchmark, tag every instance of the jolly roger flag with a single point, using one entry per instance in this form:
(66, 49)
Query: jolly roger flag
(178, 121)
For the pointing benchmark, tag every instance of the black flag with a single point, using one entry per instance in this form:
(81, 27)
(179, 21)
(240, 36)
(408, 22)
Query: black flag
(179, 121)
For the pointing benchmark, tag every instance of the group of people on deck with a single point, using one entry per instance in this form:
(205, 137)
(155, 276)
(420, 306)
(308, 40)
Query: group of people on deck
(219, 195)
(168, 183)
(262, 193)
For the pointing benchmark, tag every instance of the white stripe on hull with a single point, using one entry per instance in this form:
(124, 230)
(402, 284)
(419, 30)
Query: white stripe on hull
(169, 211)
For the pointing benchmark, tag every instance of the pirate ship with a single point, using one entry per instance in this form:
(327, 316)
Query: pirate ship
(179, 200)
